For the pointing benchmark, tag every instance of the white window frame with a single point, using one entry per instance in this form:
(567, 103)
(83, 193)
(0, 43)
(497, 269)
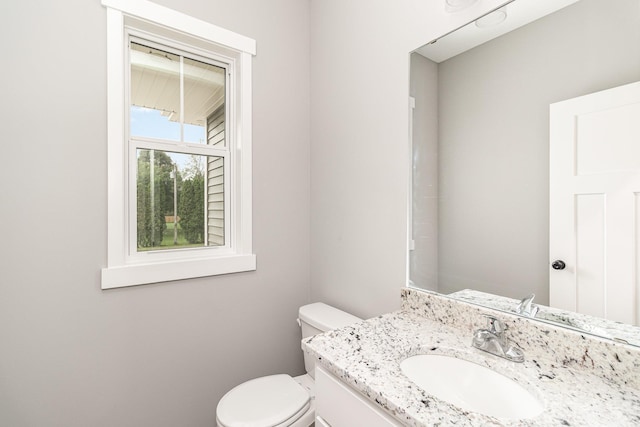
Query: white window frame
(125, 265)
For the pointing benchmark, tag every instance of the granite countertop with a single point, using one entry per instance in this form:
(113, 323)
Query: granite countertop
(604, 328)
(573, 389)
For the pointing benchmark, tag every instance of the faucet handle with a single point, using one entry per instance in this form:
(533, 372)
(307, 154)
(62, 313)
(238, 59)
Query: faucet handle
(494, 325)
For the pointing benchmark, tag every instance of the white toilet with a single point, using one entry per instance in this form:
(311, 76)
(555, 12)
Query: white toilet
(281, 400)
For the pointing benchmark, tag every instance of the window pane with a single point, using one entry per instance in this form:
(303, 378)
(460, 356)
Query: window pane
(155, 93)
(204, 94)
(156, 98)
(180, 200)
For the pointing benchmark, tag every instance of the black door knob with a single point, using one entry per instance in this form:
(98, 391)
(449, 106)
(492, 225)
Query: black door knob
(558, 265)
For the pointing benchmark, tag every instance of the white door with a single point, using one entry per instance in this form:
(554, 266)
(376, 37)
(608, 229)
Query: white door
(595, 204)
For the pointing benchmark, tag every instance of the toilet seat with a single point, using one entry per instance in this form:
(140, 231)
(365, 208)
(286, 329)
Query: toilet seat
(272, 401)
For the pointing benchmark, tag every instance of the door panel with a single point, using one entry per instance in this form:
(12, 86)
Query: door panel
(597, 152)
(590, 254)
(594, 204)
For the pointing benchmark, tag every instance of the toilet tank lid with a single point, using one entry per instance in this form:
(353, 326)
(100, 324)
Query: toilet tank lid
(324, 317)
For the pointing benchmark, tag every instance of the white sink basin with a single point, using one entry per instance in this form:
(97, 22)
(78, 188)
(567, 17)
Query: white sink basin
(471, 387)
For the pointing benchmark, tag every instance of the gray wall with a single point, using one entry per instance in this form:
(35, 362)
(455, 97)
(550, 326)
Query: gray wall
(155, 355)
(360, 160)
(494, 172)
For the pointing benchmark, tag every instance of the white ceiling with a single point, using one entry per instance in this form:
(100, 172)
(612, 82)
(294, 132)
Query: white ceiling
(519, 13)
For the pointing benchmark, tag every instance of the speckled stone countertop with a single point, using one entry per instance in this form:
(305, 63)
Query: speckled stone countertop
(589, 324)
(581, 380)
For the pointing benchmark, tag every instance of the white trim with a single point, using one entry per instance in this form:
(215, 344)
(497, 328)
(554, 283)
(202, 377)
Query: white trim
(116, 187)
(179, 21)
(411, 243)
(141, 274)
(124, 268)
(177, 147)
(243, 148)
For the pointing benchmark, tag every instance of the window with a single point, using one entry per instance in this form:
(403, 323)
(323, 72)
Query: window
(179, 147)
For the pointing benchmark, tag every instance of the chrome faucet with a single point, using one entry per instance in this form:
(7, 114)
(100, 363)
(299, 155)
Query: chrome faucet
(526, 306)
(492, 340)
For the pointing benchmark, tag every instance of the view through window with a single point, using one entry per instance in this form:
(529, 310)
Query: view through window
(177, 122)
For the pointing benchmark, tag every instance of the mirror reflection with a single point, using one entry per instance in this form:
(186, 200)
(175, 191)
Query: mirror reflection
(481, 159)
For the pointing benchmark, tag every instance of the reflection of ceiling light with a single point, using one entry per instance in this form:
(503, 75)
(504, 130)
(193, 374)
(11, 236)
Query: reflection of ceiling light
(457, 5)
(493, 18)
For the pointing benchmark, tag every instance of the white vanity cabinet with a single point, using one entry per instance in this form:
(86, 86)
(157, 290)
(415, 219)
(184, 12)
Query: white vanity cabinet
(338, 405)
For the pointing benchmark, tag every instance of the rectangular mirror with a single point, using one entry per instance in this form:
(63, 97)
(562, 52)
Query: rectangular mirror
(480, 210)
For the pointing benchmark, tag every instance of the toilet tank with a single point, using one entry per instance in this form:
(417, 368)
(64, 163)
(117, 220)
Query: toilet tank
(317, 318)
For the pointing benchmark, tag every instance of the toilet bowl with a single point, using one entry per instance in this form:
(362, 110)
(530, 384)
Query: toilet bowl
(274, 400)
(281, 400)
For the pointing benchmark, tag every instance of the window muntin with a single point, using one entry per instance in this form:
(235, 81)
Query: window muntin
(175, 101)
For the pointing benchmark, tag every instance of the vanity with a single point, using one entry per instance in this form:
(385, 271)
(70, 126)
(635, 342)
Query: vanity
(341, 405)
(579, 380)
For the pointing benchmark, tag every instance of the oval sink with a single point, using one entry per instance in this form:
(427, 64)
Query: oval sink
(471, 387)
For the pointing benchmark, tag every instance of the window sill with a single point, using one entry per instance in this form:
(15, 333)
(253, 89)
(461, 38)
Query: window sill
(142, 274)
